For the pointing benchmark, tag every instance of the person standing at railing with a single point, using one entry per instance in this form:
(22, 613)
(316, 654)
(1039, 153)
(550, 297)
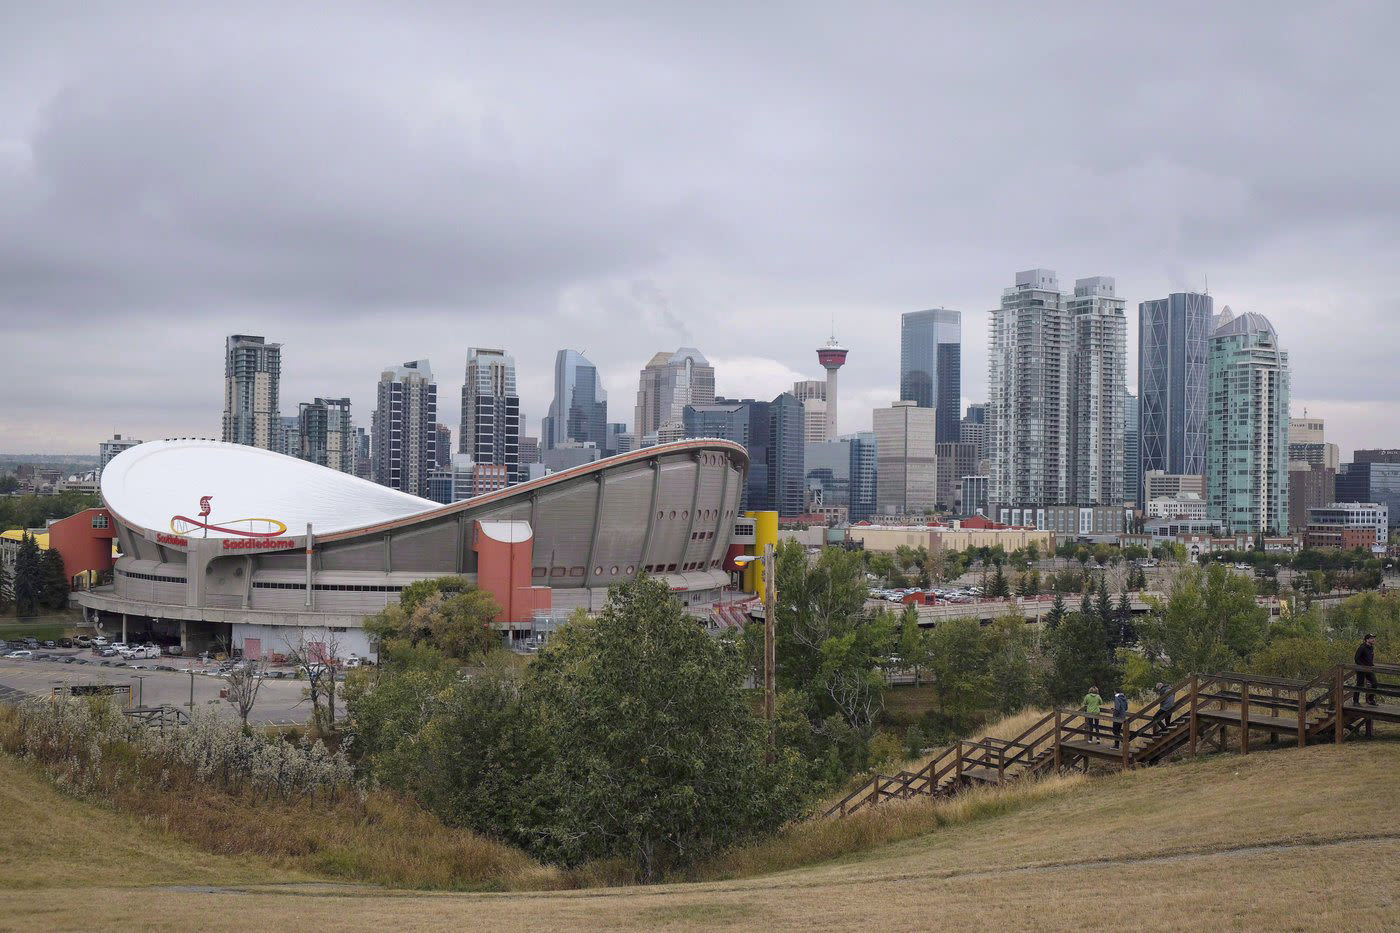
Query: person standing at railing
(1365, 657)
(1120, 715)
(1092, 704)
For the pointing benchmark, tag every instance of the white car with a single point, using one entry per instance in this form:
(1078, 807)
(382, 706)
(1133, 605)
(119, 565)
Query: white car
(23, 654)
(140, 651)
(100, 642)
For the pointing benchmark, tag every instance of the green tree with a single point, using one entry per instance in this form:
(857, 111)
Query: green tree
(1210, 623)
(658, 756)
(1056, 615)
(29, 581)
(53, 580)
(1009, 674)
(913, 643)
(999, 588)
(1077, 660)
(448, 613)
(1127, 635)
(957, 665)
(7, 592)
(1103, 610)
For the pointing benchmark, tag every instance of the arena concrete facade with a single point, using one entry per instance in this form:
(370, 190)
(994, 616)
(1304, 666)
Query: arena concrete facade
(323, 549)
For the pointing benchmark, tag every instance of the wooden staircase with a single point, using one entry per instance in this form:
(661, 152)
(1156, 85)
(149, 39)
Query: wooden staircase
(1203, 708)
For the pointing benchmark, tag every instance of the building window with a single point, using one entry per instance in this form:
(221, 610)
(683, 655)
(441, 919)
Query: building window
(100, 520)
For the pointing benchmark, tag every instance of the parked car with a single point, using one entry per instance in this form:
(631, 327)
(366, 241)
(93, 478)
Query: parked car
(140, 652)
(23, 654)
(65, 643)
(107, 652)
(100, 642)
(84, 641)
(31, 642)
(50, 644)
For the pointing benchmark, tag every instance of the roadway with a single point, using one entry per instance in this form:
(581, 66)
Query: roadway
(280, 702)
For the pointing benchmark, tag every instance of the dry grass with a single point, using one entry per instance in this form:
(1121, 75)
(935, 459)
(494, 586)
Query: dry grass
(819, 840)
(1285, 841)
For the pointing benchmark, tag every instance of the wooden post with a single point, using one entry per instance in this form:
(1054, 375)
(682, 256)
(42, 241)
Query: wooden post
(1302, 717)
(1127, 738)
(1273, 711)
(1195, 688)
(1001, 765)
(1059, 759)
(958, 770)
(1337, 684)
(1244, 717)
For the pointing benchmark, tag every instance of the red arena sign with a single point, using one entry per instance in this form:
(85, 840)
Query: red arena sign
(245, 544)
(163, 538)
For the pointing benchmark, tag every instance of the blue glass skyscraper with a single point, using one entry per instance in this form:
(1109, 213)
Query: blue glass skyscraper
(1172, 382)
(930, 367)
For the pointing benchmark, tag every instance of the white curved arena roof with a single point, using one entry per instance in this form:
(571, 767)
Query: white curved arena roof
(158, 486)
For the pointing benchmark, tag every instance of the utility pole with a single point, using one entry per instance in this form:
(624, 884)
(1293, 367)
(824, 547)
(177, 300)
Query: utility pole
(191, 689)
(770, 600)
(140, 688)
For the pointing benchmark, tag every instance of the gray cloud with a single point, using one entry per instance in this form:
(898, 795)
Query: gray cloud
(369, 186)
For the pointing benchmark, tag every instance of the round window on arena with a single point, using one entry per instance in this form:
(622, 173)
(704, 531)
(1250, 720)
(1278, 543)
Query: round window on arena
(673, 513)
(613, 571)
(630, 569)
(598, 571)
(685, 513)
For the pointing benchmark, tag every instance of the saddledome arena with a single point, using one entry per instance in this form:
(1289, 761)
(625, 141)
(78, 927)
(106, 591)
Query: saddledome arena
(226, 544)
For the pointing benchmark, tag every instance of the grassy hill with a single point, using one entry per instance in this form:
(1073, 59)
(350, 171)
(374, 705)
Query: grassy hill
(1279, 840)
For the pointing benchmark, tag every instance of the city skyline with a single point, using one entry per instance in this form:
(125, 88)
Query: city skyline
(135, 234)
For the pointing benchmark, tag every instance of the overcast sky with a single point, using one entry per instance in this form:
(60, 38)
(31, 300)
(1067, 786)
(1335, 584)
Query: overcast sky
(369, 184)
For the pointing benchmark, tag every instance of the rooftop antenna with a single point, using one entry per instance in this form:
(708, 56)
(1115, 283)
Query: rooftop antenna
(1207, 283)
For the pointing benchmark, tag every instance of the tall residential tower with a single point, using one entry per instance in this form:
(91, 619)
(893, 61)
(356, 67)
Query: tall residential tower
(404, 428)
(579, 412)
(1247, 427)
(252, 374)
(491, 412)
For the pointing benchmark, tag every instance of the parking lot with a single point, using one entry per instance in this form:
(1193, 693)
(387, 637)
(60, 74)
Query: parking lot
(279, 701)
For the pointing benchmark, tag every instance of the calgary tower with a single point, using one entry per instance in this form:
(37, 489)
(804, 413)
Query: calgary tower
(832, 357)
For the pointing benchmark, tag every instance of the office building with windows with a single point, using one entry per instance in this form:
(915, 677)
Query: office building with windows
(668, 383)
(930, 366)
(579, 410)
(1173, 336)
(1132, 449)
(906, 459)
(109, 449)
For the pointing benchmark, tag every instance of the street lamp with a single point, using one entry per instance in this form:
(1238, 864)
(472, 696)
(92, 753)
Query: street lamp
(770, 599)
(141, 688)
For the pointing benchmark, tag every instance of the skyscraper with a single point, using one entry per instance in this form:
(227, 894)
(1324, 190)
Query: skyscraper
(444, 446)
(1056, 376)
(772, 434)
(864, 476)
(973, 429)
(1247, 427)
(325, 434)
(812, 394)
(1100, 366)
(906, 459)
(1029, 369)
(668, 383)
(1173, 334)
(930, 366)
(252, 374)
(405, 436)
(579, 411)
(491, 412)
(1132, 449)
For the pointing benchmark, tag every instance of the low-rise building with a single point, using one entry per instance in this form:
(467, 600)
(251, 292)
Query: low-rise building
(1349, 525)
(1158, 483)
(955, 536)
(1182, 505)
(1102, 522)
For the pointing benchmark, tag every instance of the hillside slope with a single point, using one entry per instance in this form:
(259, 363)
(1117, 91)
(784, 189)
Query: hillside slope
(1279, 840)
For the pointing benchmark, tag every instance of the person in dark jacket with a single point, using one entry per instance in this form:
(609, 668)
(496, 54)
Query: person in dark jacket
(1120, 714)
(1365, 657)
(1164, 709)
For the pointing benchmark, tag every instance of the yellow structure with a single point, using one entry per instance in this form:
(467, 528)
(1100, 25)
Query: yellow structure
(765, 533)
